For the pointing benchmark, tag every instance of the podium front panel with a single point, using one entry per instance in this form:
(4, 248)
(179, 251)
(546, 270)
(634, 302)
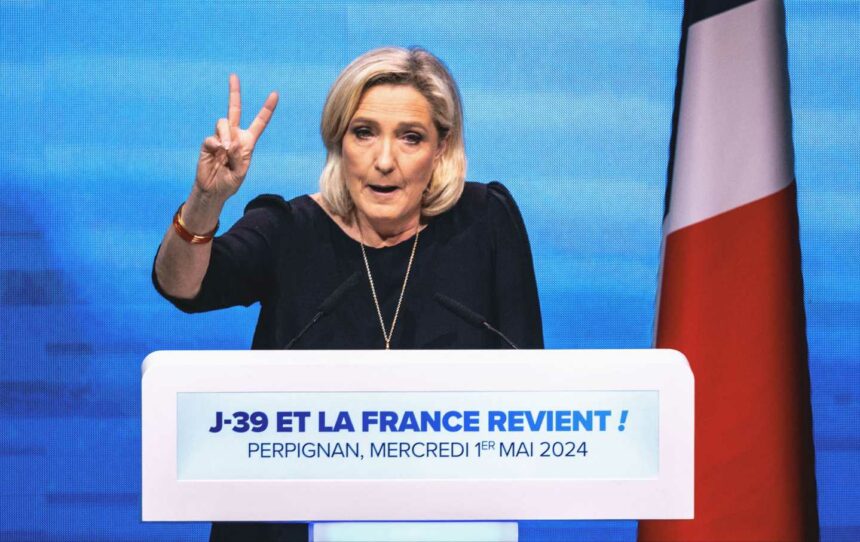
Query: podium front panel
(417, 435)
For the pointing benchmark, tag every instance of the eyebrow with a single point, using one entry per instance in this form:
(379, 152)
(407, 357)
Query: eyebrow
(405, 124)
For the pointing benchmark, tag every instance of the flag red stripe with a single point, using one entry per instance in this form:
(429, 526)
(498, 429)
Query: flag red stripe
(732, 302)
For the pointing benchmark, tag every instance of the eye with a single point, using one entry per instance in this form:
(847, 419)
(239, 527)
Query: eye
(362, 132)
(413, 138)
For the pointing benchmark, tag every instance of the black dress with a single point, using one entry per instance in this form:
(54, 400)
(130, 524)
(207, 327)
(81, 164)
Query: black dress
(290, 255)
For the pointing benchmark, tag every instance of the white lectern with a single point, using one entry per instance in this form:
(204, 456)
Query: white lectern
(325, 436)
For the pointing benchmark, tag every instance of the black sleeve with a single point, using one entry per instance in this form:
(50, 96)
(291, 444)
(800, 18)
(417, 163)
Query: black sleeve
(515, 286)
(240, 267)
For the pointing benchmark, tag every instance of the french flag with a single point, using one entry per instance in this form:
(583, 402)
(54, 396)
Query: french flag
(731, 289)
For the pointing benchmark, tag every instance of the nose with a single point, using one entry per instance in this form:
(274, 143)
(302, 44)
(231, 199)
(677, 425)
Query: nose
(385, 157)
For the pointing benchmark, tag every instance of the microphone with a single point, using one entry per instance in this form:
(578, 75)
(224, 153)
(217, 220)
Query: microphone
(327, 305)
(470, 316)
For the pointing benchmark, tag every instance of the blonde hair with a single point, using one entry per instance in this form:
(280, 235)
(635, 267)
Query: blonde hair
(429, 76)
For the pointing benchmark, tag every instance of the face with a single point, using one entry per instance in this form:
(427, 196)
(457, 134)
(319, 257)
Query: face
(389, 152)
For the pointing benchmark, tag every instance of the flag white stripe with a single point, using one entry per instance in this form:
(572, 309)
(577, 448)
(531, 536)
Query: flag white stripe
(734, 139)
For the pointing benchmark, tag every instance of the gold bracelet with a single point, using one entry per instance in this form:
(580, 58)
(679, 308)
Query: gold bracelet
(186, 235)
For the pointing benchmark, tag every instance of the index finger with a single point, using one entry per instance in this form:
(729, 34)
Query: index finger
(262, 119)
(234, 110)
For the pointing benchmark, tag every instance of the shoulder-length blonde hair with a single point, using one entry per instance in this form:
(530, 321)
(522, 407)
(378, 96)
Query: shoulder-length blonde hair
(429, 76)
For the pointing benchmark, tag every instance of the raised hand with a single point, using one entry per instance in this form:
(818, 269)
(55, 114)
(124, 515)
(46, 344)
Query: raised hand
(226, 155)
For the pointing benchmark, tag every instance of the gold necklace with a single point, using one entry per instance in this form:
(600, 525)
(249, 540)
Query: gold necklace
(387, 335)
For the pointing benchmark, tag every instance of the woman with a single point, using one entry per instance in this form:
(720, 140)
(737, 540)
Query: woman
(393, 205)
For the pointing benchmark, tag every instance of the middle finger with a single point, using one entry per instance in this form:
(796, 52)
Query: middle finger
(222, 128)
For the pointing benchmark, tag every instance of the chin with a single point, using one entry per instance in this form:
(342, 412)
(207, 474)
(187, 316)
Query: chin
(385, 212)
(384, 215)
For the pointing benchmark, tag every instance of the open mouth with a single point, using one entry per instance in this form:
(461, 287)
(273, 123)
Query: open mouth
(382, 189)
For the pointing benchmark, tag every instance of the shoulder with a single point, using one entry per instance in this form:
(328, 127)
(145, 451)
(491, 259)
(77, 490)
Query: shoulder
(491, 200)
(274, 209)
(498, 209)
(273, 204)
(294, 224)
(483, 196)
(487, 211)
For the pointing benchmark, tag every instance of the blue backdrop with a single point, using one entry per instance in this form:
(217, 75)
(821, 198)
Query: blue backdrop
(568, 103)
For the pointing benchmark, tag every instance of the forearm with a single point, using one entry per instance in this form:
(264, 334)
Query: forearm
(180, 266)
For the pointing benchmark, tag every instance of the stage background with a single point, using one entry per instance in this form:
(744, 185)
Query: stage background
(568, 103)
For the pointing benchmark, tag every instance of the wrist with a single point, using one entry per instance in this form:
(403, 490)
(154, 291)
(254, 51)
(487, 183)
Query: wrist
(201, 211)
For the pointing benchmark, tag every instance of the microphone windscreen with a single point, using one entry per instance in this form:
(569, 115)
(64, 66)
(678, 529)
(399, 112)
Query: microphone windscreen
(460, 310)
(334, 298)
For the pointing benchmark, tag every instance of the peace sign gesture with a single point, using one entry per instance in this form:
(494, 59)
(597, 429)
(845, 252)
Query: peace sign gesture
(226, 155)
